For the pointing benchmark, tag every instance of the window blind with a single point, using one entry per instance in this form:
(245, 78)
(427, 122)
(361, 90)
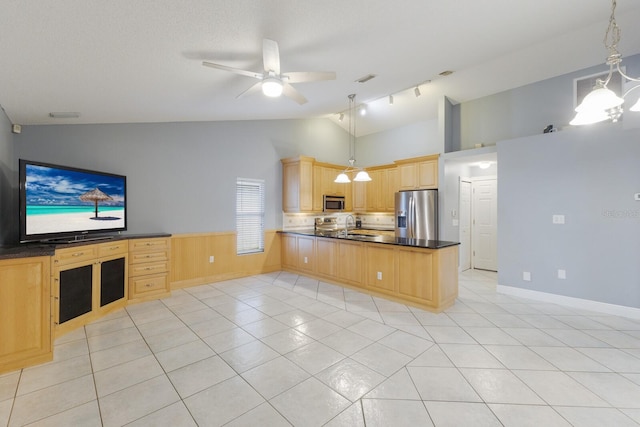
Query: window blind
(249, 215)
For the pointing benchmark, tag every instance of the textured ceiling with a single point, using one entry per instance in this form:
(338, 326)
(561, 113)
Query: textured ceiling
(123, 61)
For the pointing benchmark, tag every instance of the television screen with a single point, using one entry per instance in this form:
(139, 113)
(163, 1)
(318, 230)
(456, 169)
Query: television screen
(59, 202)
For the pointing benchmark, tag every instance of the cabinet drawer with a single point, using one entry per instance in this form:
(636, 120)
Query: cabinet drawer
(152, 256)
(148, 244)
(148, 284)
(113, 248)
(142, 269)
(77, 254)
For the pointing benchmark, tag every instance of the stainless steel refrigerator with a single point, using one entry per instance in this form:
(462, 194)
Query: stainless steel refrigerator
(417, 214)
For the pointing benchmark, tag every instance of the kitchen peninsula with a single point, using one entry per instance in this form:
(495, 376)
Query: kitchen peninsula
(422, 273)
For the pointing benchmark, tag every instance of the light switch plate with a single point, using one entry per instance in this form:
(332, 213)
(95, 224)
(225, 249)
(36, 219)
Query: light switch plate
(636, 196)
(558, 219)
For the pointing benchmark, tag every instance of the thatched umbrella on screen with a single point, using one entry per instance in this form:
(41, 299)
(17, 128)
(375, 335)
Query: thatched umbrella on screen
(95, 196)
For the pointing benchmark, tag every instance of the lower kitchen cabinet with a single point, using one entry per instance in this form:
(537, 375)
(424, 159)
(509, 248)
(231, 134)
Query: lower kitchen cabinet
(381, 268)
(149, 268)
(350, 262)
(25, 312)
(327, 257)
(419, 276)
(415, 274)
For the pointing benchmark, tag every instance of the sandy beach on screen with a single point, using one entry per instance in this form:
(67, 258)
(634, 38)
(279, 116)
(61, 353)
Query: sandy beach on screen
(38, 224)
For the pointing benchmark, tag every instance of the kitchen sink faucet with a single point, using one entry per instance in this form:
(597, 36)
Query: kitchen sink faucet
(346, 224)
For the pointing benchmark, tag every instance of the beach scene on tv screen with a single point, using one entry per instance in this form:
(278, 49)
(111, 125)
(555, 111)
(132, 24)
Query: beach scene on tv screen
(60, 200)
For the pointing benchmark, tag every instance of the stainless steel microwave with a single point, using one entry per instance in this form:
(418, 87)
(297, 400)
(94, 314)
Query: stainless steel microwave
(332, 203)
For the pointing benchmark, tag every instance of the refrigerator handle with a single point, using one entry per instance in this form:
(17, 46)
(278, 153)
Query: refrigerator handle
(412, 217)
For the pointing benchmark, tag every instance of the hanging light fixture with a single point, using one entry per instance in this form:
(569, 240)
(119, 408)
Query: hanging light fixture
(362, 175)
(602, 103)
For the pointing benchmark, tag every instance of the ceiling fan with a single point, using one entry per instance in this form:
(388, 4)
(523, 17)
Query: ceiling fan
(272, 82)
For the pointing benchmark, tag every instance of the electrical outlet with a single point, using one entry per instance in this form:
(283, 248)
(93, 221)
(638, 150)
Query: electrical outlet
(558, 219)
(379, 275)
(211, 259)
(562, 274)
(526, 276)
(306, 260)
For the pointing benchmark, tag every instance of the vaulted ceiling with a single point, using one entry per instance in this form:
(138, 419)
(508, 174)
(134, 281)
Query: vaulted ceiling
(121, 61)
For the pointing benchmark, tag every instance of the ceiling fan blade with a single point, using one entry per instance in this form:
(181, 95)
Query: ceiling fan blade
(291, 92)
(234, 70)
(252, 89)
(309, 76)
(271, 56)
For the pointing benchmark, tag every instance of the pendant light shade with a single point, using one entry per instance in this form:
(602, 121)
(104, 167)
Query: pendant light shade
(342, 179)
(602, 103)
(362, 176)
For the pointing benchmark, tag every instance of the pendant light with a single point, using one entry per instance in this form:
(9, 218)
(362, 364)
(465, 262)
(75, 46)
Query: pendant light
(362, 175)
(602, 103)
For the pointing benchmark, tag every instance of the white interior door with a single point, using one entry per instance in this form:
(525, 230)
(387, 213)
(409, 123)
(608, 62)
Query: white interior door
(465, 225)
(485, 224)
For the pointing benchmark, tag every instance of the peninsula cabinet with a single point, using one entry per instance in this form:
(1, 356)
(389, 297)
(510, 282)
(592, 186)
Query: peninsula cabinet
(149, 268)
(297, 184)
(89, 281)
(25, 316)
(420, 276)
(419, 173)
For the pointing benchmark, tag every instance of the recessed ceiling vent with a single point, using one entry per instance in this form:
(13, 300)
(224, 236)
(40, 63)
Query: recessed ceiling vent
(446, 73)
(365, 78)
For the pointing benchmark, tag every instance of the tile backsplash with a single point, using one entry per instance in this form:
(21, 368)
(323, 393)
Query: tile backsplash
(301, 221)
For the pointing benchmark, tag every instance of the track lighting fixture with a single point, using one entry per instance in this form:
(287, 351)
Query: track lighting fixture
(390, 99)
(416, 91)
(341, 118)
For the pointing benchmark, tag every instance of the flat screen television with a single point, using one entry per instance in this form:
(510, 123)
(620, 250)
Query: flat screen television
(62, 203)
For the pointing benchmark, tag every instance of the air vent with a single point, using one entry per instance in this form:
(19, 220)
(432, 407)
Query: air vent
(64, 115)
(365, 78)
(446, 73)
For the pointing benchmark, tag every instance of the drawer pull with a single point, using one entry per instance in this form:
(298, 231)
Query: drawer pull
(113, 248)
(149, 268)
(148, 285)
(149, 244)
(77, 254)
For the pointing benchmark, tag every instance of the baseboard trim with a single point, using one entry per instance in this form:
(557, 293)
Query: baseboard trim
(583, 304)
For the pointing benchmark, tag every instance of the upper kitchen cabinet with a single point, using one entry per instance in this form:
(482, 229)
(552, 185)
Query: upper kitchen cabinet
(297, 184)
(418, 173)
(324, 176)
(379, 192)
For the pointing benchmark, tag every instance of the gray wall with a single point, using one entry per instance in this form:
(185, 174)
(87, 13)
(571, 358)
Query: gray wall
(590, 175)
(417, 139)
(8, 185)
(524, 111)
(181, 176)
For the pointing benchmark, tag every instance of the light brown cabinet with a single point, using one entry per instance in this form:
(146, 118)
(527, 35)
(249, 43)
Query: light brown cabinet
(381, 268)
(327, 257)
(149, 268)
(324, 176)
(418, 173)
(297, 184)
(25, 317)
(306, 253)
(420, 276)
(350, 262)
(380, 191)
(88, 281)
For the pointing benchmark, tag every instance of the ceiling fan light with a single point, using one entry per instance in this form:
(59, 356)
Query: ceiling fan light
(342, 179)
(362, 176)
(589, 117)
(601, 99)
(272, 87)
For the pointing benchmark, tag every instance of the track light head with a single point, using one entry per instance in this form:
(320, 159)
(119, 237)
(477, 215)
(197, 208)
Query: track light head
(416, 91)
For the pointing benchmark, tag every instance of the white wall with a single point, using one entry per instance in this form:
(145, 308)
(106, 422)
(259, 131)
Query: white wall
(590, 175)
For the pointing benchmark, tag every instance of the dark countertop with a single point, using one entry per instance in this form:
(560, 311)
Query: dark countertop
(28, 250)
(387, 240)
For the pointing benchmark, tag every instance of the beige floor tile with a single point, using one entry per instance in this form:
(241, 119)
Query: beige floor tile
(275, 376)
(443, 384)
(455, 414)
(86, 415)
(125, 375)
(173, 415)
(249, 356)
(200, 375)
(397, 413)
(350, 378)
(49, 374)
